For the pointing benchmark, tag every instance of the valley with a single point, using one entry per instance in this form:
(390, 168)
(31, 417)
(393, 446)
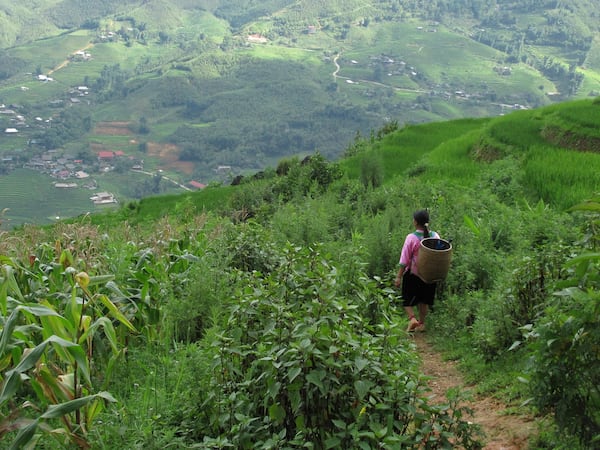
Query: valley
(224, 85)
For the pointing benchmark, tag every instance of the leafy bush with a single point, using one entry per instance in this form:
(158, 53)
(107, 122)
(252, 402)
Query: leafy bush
(251, 201)
(249, 249)
(193, 309)
(371, 171)
(298, 362)
(564, 373)
(303, 223)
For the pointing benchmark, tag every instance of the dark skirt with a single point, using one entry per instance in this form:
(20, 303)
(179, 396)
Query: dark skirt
(415, 290)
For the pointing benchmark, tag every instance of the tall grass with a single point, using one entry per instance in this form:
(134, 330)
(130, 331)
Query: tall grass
(581, 117)
(452, 161)
(401, 151)
(152, 208)
(516, 131)
(561, 177)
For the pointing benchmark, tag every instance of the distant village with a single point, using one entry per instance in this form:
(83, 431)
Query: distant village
(68, 171)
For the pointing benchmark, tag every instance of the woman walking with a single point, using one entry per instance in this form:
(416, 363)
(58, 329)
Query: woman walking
(415, 292)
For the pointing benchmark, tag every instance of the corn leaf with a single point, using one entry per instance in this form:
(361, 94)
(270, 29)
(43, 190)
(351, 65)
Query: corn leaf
(24, 436)
(7, 331)
(109, 331)
(110, 366)
(31, 358)
(76, 352)
(39, 310)
(56, 411)
(12, 287)
(12, 381)
(100, 279)
(470, 223)
(116, 313)
(58, 326)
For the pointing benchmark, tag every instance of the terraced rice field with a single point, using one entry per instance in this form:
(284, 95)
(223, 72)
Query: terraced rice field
(30, 197)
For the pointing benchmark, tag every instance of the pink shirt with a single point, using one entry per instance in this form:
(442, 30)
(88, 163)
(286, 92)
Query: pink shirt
(410, 250)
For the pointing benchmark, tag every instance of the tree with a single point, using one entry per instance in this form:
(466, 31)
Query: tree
(371, 172)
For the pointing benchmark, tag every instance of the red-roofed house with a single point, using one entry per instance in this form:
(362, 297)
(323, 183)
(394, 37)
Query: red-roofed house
(197, 185)
(106, 155)
(119, 153)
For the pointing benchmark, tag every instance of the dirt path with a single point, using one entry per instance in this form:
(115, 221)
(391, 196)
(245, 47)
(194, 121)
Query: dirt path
(66, 61)
(503, 431)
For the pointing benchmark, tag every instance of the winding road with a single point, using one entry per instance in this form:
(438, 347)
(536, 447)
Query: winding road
(151, 174)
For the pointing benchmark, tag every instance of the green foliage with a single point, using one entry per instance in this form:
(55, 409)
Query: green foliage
(564, 374)
(69, 124)
(224, 100)
(547, 170)
(279, 330)
(249, 249)
(9, 65)
(383, 241)
(52, 316)
(251, 201)
(301, 362)
(317, 173)
(499, 177)
(161, 387)
(516, 294)
(305, 223)
(371, 171)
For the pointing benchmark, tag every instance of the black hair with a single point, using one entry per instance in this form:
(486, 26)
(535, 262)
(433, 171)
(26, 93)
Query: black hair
(422, 219)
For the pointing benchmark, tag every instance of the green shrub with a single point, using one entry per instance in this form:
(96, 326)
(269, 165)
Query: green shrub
(188, 313)
(248, 248)
(250, 201)
(304, 223)
(371, 171)
(383, 242)
(565, 375)
(161, 392)
(565, 343)
(493, 330)
(298, 363)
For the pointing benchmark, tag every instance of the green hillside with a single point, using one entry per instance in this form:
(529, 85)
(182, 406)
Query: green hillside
(555, 150)
(264, 312)
(242, 85)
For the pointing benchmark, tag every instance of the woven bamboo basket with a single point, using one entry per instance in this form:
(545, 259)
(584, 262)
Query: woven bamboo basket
(434, 259)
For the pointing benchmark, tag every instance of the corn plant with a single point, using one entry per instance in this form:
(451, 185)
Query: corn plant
(53, 320)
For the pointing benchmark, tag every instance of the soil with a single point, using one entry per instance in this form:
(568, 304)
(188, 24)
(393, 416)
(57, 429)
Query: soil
(168, 154)
(169, 157)
(113, 129)
(503, 430)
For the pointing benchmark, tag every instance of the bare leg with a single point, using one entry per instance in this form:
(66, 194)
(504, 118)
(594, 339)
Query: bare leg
(412, 321)
(423, 309)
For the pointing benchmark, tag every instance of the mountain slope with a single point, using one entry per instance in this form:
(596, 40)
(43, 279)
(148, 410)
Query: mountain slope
(243, 84)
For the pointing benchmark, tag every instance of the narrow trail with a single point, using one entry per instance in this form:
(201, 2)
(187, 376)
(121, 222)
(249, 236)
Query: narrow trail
(503, 431)
(66, 61)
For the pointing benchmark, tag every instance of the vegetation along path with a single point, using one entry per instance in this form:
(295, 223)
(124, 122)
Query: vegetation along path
(503, 431)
